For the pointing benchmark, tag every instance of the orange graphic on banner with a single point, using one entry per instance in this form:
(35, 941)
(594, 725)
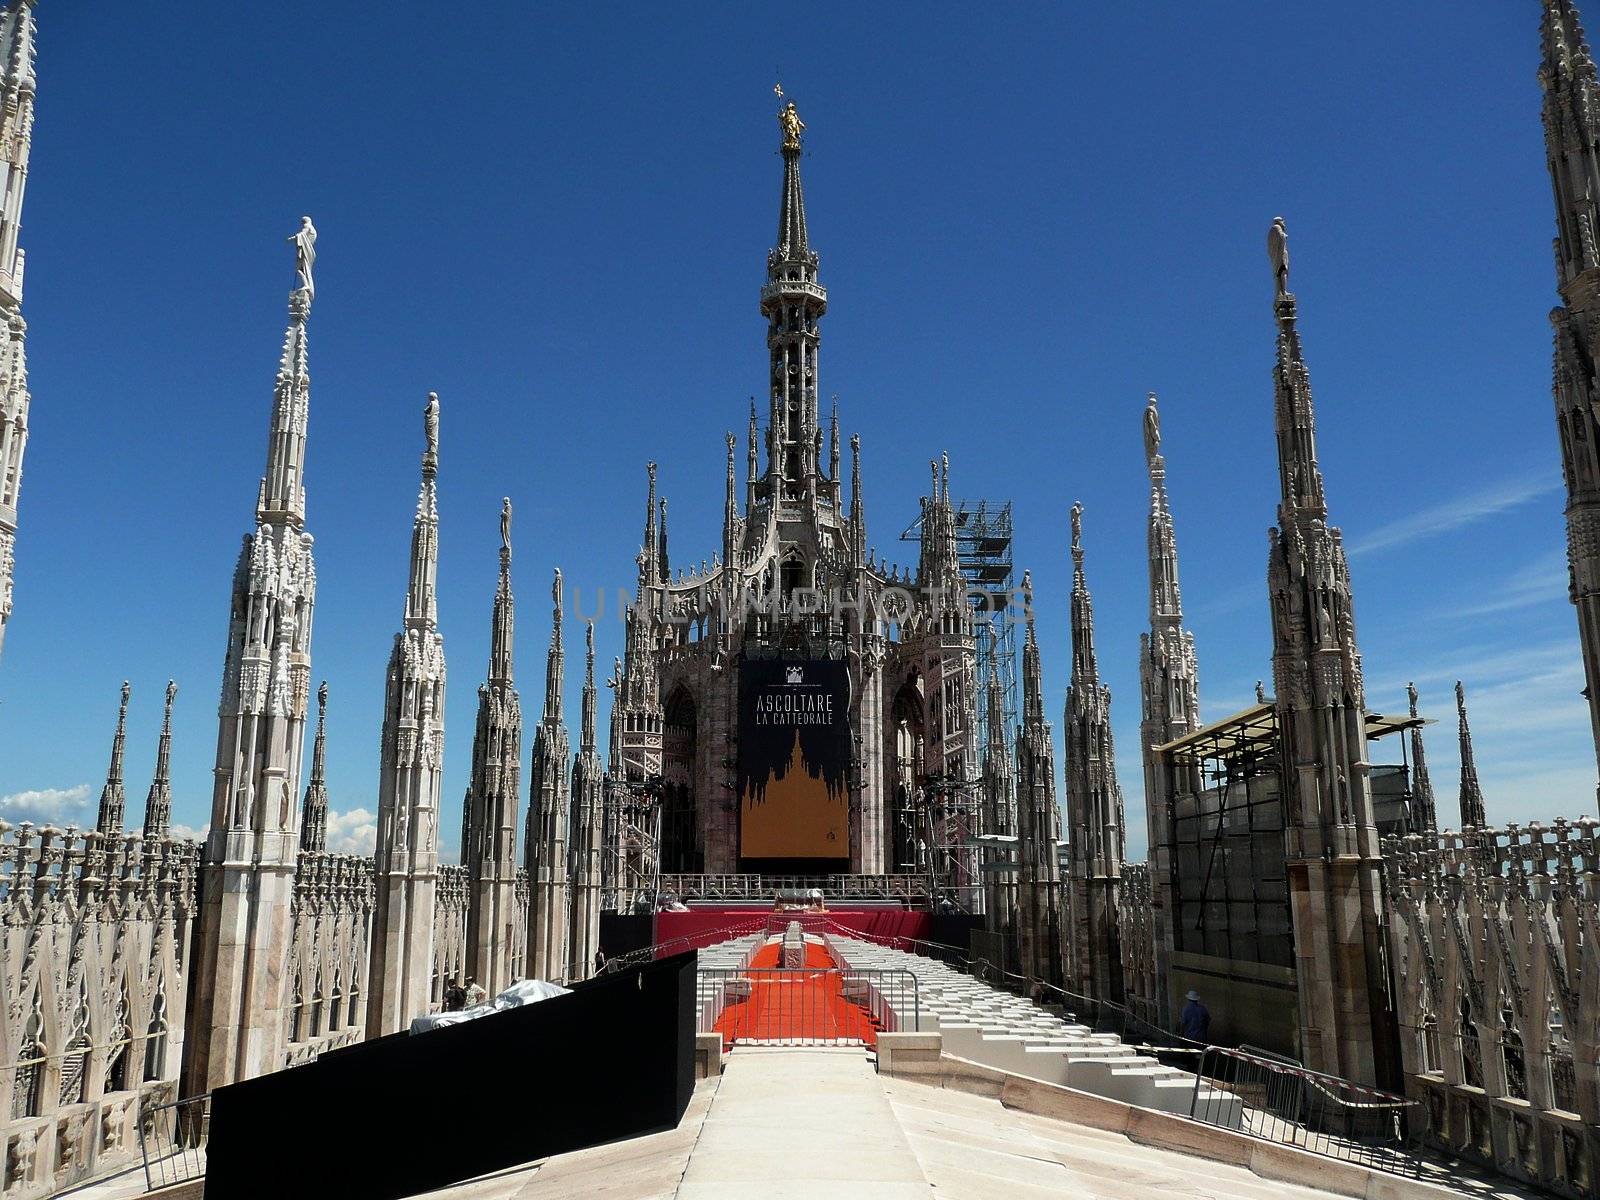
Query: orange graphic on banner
(795, 814)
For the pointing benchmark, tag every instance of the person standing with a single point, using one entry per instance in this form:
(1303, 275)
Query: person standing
(599, 960)
(1194, 1022)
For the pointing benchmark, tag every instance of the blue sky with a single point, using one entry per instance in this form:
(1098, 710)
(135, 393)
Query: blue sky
(557, 218)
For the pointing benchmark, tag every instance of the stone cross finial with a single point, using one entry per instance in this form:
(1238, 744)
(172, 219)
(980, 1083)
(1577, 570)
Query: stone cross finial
(1278, 252)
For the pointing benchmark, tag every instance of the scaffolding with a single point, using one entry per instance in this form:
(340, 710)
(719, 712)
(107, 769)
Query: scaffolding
(983, 548)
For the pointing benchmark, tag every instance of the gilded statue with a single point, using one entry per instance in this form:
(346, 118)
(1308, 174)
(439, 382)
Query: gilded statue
(789, 118)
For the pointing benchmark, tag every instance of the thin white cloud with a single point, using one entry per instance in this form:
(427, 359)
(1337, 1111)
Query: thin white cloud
(352, 832)
(188, 833)
(1455, 513)
(1544, 579)
(47, 806)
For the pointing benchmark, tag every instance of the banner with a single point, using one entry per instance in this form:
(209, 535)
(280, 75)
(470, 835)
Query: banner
(794, 759)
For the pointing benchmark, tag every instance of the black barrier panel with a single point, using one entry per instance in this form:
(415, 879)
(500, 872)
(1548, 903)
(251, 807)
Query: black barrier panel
(623, 933)
(403, 1114)
(954, 930)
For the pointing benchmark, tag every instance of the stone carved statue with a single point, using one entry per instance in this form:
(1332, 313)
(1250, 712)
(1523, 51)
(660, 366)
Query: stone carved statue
(1278, 252)
(1152, 429)
(430, 423)
(505, 524)
(789, 118)
(305, 254)
(1077, 525)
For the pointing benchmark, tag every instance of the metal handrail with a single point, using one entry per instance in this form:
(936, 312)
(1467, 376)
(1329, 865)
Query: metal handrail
(887, 994)
(172, 1140)
(1309, 1110)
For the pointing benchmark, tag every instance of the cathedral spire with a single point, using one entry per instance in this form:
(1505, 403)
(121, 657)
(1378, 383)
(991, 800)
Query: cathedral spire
(663, 561)
(314, 808)
(750, 470)
(1346, 1016)
(489, 810)
(112, 798)
(586, 737)
(792, 240)
(1424, 814)
(1032, 683)
(1572, 152)
(422, 610)
(1472, 812)
(503, 630)
(282, 498)
(1572, 139)
(555, 663)
(792, 301)
(16, 135)
(1085, 667)
(1096, 840)
(649, 562)
(1299, 476)
(858, 516)
(158, 802)
(730, 506)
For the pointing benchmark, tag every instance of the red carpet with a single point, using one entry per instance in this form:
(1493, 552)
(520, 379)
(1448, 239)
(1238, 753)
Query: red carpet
(802, 1004)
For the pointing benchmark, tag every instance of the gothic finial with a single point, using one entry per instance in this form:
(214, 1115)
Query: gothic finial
(430, 424)
(158, 801)
(305, 254)
(322, 702)
(1152, 430)
(112, 798)
(1077, 533)
(1261, 693)
(1411, 697)
(505, 527)
(944, 474)
(1278, 253)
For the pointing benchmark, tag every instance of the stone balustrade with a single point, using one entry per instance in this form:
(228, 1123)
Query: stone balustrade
(96, 933)
(1495, 941)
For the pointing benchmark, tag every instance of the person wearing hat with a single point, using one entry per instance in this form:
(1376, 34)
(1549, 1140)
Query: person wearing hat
(1194, 1022)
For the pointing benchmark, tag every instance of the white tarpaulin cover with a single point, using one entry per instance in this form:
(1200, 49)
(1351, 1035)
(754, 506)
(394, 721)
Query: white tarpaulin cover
(524, 991)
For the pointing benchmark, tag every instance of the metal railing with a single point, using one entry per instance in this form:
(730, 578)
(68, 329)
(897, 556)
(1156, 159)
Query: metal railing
(759, 888)
(172, 1141)
(1323, 1114)
(807, 1006)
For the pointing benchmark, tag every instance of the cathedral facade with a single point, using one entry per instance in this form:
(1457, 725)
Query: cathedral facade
(796, 705)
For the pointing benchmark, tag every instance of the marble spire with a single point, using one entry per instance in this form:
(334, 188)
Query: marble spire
(549, 816)
(1170, 699)
(489, 835)
(1039, 931)
(1333, 859)
(314, 807)
(113, 799)
(410, 776)
(1572, 149)
(158, 801)
(999, 799)
(16, 135)
(1095, 841)
(248, 865)
(588, 830)
(1424, 812)
(1472, 813)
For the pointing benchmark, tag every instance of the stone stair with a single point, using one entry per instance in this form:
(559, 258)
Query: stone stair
(986, 1025)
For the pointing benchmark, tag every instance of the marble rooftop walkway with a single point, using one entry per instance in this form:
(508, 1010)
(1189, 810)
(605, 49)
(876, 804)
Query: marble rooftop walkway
(797, 1124)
